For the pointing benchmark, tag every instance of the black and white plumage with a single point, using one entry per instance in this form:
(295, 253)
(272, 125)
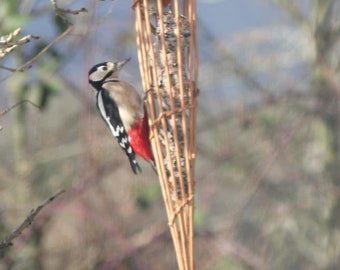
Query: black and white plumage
(118, 103)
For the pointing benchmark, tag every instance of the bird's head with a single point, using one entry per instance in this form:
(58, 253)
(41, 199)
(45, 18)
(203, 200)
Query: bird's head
(101, 72)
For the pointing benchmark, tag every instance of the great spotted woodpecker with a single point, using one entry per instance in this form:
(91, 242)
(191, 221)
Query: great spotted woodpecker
(121, 108)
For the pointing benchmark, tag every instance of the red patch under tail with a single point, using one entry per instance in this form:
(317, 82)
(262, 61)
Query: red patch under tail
(139, 134)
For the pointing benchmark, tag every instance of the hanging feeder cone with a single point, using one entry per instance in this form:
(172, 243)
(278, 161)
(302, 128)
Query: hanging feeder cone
(168, 61)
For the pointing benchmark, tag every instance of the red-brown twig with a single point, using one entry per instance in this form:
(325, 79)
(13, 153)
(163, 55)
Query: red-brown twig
(7, 241)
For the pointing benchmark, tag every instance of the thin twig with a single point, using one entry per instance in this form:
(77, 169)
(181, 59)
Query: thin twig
(18, 104)
(28, 221)
(11, 69)
(22, 41)
(7, 44)
(29, 63)
(61, 11)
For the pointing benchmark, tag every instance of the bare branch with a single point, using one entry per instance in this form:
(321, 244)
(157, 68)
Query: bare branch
(18, 104)
(11, 69)
(61, 11)
(28, 64)
(7, 44)
(28, 221)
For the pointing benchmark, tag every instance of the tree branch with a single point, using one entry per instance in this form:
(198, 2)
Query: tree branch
(18, 104)
(7, 44)
(7, 241)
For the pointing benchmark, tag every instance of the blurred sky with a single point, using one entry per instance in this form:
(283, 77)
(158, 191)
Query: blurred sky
(227, 17)
(256, 32)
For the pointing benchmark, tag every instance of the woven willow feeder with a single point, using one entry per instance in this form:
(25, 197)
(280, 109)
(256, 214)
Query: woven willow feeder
(168, 60)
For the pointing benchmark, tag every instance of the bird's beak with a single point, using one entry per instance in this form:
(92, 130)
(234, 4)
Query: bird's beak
(121, 64)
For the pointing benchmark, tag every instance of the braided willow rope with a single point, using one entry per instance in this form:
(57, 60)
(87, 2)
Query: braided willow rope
(168, 59)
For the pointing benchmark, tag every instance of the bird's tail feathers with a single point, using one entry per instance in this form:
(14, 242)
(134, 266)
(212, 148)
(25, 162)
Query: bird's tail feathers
(135, 166)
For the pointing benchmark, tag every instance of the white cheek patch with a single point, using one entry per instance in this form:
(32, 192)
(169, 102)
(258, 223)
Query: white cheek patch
(97, 76)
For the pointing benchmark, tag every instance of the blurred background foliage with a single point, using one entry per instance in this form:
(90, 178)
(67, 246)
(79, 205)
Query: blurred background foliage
(267, 176)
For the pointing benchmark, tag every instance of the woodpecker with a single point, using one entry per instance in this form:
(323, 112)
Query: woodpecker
(121, 108)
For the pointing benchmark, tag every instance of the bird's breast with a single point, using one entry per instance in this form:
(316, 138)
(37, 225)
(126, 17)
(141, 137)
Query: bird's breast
(127, 117)
(128, 101)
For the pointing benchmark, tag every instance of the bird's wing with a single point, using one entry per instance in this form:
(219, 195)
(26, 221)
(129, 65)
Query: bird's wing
(110, 114)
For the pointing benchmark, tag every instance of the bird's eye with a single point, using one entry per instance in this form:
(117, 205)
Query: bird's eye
(104, 68)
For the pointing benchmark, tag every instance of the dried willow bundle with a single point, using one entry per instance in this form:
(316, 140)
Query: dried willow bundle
(167, 50)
